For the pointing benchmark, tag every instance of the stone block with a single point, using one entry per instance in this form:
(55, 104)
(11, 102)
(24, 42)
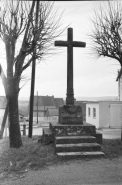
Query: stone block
(70, 114)
(47, 136)
(98, 137)
(73, 130)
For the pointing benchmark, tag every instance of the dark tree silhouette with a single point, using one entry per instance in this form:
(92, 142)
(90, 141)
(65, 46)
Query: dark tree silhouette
(106, 34)
(17, 22)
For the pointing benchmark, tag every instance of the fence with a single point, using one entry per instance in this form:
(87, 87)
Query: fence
(42, 122)
(46, 120)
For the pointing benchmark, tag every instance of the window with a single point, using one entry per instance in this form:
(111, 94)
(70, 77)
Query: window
(94, 112)
(89, 111)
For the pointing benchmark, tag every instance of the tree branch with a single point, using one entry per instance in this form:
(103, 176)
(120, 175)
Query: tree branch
(107, 31)
(27, 64)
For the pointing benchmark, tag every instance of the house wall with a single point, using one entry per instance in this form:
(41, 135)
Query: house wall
(104, 116)
(89, 118)
(110, 114)
(43, 108)
(115, 115)
(40, 114)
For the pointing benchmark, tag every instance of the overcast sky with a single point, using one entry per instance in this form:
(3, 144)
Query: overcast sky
(92, 76)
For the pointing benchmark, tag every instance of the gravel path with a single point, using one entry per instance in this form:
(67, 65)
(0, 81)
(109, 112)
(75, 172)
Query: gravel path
(80, 172)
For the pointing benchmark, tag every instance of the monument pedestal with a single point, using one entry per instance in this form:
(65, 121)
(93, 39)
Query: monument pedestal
(71, 136)
(72, 140)
(72, 130)
(70, 114)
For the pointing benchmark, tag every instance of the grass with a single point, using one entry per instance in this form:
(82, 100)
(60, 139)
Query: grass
(112, 148)
(34, 155)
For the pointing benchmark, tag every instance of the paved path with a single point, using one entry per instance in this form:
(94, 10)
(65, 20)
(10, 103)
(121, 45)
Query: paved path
(100, 171)
(110, 133)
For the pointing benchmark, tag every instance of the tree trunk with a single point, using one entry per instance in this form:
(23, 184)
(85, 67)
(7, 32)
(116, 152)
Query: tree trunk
(13, 115)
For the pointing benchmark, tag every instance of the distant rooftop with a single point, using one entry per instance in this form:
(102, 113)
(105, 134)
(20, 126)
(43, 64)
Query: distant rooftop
(59, 102)
(48, 101)
(44, 100)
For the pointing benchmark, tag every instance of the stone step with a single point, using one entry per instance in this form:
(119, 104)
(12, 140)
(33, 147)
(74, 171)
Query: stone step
(74, 139)
(78, 147)
(82, 154)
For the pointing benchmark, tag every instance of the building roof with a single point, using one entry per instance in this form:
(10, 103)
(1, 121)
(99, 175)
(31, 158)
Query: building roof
(3, 102)
(44, 101)
(119, 74)
(80, 102)
(112, 102)
(90, 102)
(58, 102)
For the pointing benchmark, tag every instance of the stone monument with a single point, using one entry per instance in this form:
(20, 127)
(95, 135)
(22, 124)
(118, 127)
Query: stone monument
(70, 113)
(71, 136)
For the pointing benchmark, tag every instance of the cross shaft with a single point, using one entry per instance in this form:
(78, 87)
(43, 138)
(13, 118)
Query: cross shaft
(70, 44)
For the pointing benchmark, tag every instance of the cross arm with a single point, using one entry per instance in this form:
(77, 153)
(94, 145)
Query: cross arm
(78, 44)
(61, 43)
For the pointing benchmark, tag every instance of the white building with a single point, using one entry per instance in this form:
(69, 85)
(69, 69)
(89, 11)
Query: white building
(104, 114)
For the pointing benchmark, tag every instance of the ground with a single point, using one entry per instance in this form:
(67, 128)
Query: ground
(73, 172)
(76, 172)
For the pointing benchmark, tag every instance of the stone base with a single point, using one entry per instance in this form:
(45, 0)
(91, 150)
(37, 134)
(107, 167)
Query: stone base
(73, 130)
(70, 114)
(59, 130)
(74, 140)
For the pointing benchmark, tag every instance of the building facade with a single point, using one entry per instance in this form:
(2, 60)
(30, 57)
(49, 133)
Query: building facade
(104, 114)
(46, 109)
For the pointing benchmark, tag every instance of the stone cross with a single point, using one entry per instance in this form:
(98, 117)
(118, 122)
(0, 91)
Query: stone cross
(70, 44)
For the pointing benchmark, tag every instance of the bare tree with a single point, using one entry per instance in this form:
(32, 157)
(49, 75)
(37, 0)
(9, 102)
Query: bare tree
(17, 22)
(106, 34)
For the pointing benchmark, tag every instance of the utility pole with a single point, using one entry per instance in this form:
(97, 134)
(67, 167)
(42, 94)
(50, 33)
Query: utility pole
(37, 107)
(33, 79)
(121, 124)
